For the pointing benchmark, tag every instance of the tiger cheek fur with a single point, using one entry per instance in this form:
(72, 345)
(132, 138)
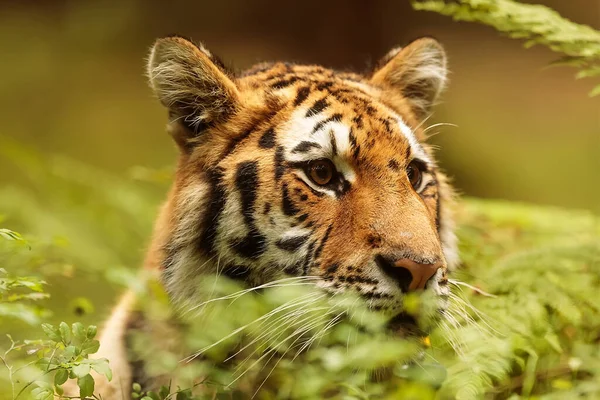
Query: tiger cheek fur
(244, 204)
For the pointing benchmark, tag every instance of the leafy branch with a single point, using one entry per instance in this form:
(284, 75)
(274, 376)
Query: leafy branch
(536, 24)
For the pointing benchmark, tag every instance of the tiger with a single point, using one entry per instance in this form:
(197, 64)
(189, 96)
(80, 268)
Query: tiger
(289, 170)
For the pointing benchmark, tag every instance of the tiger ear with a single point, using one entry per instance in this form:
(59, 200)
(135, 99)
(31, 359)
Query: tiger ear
(191, 83)
(418, 72)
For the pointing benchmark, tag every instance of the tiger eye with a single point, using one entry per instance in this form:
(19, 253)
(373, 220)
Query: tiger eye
(321, 171)
(414, 171)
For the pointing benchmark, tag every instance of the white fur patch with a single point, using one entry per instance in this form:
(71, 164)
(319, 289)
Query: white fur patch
(416, 148)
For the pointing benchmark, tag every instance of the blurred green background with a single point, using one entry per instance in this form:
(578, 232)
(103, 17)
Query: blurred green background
(73, 85)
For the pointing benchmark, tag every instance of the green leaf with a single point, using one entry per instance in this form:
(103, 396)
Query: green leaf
(81, 370)
(71, 352)
(61, 377)
(52, 332)
(90, 347)
(184, 395)
(65, 333)
(44, 363)
(43, 391)
(101, 366)
(11, 235)
(152, 396)
(164, 391)
(136, 387)
(86, 386)
(78, 331)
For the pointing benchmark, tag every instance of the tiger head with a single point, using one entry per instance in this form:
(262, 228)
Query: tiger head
(291, 170)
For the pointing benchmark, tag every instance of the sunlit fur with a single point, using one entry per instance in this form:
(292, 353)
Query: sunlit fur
(241, 204)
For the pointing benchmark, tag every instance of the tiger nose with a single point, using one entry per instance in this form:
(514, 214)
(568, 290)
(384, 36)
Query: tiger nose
(409, 274)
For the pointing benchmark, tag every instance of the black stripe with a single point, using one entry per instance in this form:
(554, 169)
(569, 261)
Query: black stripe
(323, 242)
(236, 272)
(352, 138)
(291, 244)
(334, 118)
(302, 94)
(333, 142)
(355, 153)
(324, 85)
(318, 107)
(394, 165)
(246, 181)
(267, 140)
(294, 269)
(308, 260)
(288, 207)
(388, 125)
(215, 207)
(237, 140)
(252, 246)
(305, 146)
(332, 268)
(284, 83)
(302, 217)
(279, 165)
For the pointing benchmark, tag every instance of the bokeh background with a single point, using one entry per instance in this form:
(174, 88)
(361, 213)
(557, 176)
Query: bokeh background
(72, 83)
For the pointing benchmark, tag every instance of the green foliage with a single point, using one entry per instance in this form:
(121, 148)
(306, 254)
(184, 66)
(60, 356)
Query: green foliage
(18, 295)
(68, 357)
(536, 24)
(285, 339)
(64, 355)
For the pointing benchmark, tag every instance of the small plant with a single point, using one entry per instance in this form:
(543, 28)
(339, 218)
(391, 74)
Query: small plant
(67, 357)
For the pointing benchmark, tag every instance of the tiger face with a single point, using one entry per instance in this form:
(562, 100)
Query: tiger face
(290, 170)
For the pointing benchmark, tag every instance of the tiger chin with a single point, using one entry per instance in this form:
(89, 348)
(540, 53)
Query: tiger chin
(292, 170)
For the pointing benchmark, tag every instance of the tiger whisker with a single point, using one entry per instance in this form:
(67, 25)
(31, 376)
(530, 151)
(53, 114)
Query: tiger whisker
(484, 318)
(277, 283)
(470, 320)
(292, 345)
(423, 122)
(474, 288)
(298, 332)
(273, 349)
(268, 332)
(299, 336)
(286, 305)
(439, 124)
(319, 335)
